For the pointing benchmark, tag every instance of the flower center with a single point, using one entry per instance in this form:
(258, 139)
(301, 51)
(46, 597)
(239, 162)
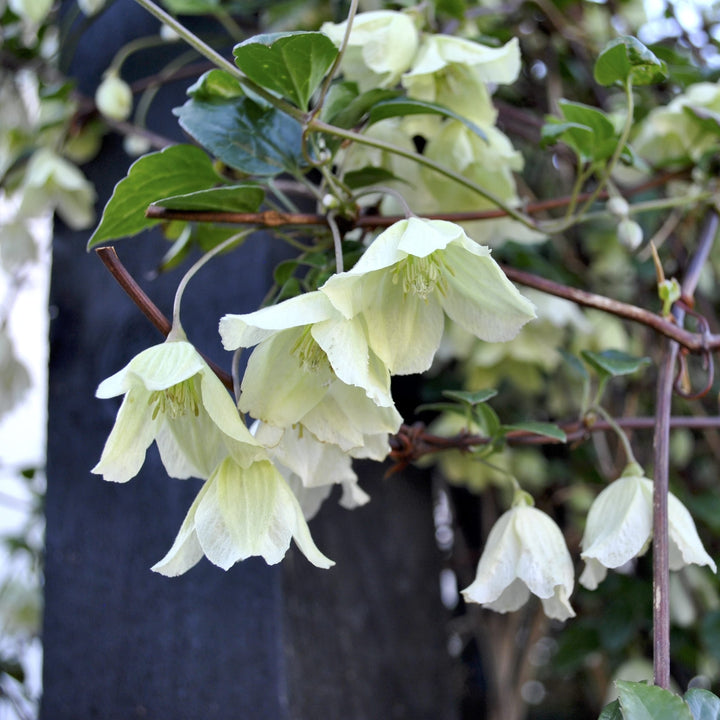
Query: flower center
(309, 354)
(421, 275)
(177, 400)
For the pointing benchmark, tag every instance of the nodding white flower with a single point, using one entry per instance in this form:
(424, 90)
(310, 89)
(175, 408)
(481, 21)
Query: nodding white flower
(173, 397)
(413, 273)
(380, 49)
(241, 512)
(620, 523)
(313, 367)
(454, 72)
(114, 98)
(524, 553)
(311, 467)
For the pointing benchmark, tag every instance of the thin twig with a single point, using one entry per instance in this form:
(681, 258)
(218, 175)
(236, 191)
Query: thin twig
(148, 308)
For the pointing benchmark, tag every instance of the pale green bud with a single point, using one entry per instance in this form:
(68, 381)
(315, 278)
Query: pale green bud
(630, 234)
(114, 97)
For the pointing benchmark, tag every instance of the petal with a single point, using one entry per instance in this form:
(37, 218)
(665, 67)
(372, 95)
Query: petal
(190, 446)
(513, 597)
(685, 544)
(250, 329)
(619, 523)
(593, 574)
(186, 551)
(480, 298)
(558, 606)
(275, 388)
(496, 570)
(131, 436)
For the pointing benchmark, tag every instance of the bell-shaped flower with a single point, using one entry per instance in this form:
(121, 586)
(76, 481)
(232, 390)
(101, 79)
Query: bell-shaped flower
(411, 275)
(241, 512)
(311, 467)
(525, 553)
(173, 397)
(455, 72)
(380, 49)
(620, 524)
(312, 366)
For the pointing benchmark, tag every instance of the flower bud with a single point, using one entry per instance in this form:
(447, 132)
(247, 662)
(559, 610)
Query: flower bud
(630, 234)
(618, 207)
(114, 98)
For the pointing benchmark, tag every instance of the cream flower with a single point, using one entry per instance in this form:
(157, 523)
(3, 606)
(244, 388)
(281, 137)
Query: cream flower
(454, 72)
(524, 553)
(619, 528)
(311, 467)
(241, 512)
(381, 47)
(174, 398)
(313, 367)
(411, 275)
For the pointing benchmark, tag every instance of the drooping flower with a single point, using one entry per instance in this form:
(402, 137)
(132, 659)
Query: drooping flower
(173, 397)
(241, 512)
(311, 467)
(411, 275)
(312, 366)
(455, 72)
(380, 49)
(620, 523)
(525, 553)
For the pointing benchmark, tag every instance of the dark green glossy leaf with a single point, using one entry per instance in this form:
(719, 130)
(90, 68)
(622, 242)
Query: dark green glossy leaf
(284, 271)
(247, 136)
(454, 8)
(549, 430)
(614, 362)
(470, 398)
(487, 418)
(703, 704)
(626, 59)
(359, 108)
(230, 198)
(175, 170)
(611, 711)
(339, 97)
(574, 364)
(639, 701)
(290, 64)
(400, 107)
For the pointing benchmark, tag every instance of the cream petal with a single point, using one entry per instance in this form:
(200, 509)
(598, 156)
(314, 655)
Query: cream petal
(186, 551)
(685, 544)
(558, 607)
(619, 523)
(250, 329)
(512, 598)
(132, 434)
(593, 574)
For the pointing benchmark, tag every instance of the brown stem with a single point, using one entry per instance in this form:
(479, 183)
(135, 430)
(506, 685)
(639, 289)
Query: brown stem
(148, 308)
(661, 442)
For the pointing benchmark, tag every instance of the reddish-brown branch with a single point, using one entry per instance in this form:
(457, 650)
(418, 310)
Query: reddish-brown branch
(148, 308)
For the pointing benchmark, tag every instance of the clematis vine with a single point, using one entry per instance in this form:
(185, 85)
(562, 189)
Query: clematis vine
(413, 274)
(620, 523)
(173, 397)
(525, 553)
(241, 512)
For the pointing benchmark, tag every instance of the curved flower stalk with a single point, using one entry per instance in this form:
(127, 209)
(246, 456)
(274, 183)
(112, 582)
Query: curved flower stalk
(241, 512)
(312, 366)
(380, 49)
(619, 528)
(414, 273)
(455, 72)
(524, 553)
(311, 467)
(173, 397)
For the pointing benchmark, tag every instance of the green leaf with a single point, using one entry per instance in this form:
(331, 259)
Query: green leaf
(470, 398)
(614, 362)
(649, 702)
(574, 364)
(358, 109)
(611, 711)
(231, 198)
(291, 64)
(454, 8)
(175, 170)
(703, 704)
(402, 106)
(487, 418)
(369, 175)
(339, 96)
(625, 59)
(442, 407)
(545, 429)
(710, 633)
(247, 136)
